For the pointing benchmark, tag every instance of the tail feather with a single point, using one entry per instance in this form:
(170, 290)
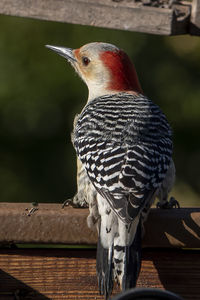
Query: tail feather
(104, 268)
(132, 261)
(106, 231)
(118, 250)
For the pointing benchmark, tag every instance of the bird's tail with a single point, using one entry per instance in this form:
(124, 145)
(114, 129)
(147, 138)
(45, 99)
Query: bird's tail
(127, 259)
(132, 260)
(121, 260)
(104, 269)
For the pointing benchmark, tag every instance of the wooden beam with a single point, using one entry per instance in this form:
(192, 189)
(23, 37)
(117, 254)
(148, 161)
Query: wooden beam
(126, 15)
(195, 18)
(71, 274)
(50, 224)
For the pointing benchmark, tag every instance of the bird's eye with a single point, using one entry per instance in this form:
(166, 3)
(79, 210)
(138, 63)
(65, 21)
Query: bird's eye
(85, 60)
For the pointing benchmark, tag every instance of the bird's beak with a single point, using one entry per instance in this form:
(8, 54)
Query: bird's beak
(65, 52)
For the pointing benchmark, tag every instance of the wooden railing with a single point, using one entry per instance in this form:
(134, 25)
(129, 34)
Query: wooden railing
(49, 252)
(157, 17)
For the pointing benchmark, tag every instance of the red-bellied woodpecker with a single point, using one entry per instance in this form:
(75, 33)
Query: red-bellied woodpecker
(123, 142)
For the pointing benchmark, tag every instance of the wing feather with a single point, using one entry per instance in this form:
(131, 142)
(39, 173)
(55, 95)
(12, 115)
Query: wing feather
(126, 157)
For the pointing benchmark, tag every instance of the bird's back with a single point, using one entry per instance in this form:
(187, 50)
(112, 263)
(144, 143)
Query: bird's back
(124, 142)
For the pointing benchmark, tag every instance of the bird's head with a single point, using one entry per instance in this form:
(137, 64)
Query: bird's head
(103, 67)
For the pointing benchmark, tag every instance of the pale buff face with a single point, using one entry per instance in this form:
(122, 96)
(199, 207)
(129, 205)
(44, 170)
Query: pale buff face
(91, 69)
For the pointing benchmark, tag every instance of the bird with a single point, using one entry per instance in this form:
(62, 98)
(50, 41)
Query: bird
(124, 146)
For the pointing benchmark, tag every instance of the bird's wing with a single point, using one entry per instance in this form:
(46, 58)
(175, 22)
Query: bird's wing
(126, 185)
(126, 151)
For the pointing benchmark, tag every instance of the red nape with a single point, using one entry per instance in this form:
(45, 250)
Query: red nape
(123, 74)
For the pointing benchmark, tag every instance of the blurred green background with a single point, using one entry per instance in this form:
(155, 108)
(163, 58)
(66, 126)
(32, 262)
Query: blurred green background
(40, 95)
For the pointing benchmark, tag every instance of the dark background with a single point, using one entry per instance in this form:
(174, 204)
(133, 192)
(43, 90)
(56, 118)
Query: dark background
(40, 95)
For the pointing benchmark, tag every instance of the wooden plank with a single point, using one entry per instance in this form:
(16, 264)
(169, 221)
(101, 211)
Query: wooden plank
(54, 225)
(63, 274)
(126, 15)
(195, 18)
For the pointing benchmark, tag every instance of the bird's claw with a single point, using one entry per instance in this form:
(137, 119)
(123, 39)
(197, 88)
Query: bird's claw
(68, 202)
(172, 203)
(75, 203)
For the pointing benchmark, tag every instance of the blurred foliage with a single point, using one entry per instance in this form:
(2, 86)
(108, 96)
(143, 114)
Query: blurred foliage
(40, 95)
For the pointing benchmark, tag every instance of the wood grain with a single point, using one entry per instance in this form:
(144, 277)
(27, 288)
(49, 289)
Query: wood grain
(66, 274)
(124, 15)
(195, 18)
(50, 224)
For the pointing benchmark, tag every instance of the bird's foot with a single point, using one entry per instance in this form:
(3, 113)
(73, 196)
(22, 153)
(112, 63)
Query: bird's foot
(172, 203)
(67, 202)
(75, 202)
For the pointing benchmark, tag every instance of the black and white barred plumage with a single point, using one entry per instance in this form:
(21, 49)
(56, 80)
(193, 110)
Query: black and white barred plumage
(124, 143)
